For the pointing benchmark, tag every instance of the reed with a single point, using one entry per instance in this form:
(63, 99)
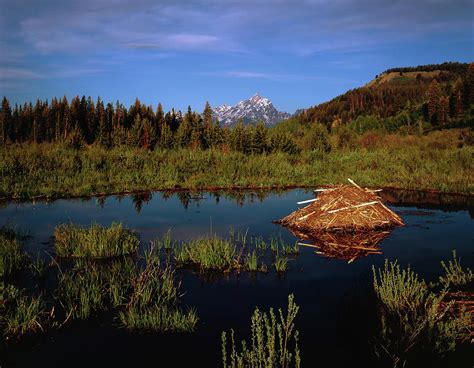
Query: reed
(455, 275)
(95, 241)
(274, 341)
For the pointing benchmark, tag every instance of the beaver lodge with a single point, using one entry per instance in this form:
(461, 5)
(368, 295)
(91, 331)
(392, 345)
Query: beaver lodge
(345, 221)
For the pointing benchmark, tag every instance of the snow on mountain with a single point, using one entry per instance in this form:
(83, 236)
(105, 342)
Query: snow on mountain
(251, 111)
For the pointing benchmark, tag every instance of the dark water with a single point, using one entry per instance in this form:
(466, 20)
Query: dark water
(337, 315)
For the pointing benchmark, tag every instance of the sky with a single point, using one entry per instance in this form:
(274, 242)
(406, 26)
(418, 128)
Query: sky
(298, 53)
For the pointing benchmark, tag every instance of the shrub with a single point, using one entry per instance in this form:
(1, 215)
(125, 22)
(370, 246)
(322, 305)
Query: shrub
(271, 345)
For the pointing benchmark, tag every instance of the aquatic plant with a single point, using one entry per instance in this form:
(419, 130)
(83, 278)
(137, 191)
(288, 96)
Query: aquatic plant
(20, 314)
(208, 253)
(291, 249)
(413, 318)
(455, 275)
(281, 263)
(95, 241)
(159, 318)
(12, 256)
(251, 261)
(274, 341)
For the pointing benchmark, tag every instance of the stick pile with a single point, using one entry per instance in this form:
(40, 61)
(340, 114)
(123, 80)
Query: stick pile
(343, 209)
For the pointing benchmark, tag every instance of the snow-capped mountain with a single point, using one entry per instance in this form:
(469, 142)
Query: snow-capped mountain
(251, 111)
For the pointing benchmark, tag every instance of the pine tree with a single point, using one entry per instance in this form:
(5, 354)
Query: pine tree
(5, 120)
(434, 95)
(239, 139)
(259, 142)
(469, 86)
(183, 135)
(458, 98)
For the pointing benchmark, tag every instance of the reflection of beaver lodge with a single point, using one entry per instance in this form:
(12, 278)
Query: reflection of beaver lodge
(346, 222)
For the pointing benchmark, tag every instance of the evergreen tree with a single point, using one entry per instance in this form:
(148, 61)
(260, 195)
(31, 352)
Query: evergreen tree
(259, 138)
(434, 95)
(5, 120)
(239, 139)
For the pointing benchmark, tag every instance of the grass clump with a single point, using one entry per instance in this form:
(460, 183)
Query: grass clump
(20, 314)
(455, 275)
(209, 253)
(159, 319)
(11, 252)
(281, 263)
(95, 241)
(274, 341)
(414, 319)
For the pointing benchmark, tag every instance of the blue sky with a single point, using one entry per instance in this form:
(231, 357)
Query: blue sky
(296, 52)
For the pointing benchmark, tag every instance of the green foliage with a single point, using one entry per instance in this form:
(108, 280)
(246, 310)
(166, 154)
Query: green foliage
(413, 318)
(11, 252)
(365, 123)
(281, 142)
(95, 241)
(281, 263)
(455, 275)
(318, 137)
(274, 341)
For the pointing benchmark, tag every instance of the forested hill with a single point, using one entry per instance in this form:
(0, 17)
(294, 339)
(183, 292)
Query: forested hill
(435, 93)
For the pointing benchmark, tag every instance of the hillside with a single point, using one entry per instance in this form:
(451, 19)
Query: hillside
(403, 90)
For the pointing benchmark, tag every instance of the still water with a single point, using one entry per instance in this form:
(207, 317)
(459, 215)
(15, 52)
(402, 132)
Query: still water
(337, 312)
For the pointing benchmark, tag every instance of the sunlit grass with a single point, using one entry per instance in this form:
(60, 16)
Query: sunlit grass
(95, 241)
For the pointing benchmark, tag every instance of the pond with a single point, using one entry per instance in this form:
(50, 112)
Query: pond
(337, 309)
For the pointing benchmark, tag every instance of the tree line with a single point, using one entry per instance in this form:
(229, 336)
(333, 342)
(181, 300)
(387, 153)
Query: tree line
(83, 121)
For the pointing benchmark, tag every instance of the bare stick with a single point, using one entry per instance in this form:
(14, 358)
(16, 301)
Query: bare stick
(356, 206)
(307, 201)
(353, 183)
(305, 216)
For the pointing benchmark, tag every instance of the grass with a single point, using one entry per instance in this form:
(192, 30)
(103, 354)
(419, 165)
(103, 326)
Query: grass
(455, 275)
(414, 319)
(208, 253)
(11, 253)
(159, 319)
(20, 314)
(274, 341)
(281, 263)
(53, 170)
(95, 241)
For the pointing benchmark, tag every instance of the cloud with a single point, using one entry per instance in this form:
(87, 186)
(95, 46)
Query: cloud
(17, 73)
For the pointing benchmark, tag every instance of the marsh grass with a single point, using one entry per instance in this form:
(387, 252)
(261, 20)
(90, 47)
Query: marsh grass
(12, 256)
(208, 253)
(413, 318)
(95, 241)
(55, 170)
(281, 263)
(455, 275)
(274, 341)
(20, 314)
(158, 318)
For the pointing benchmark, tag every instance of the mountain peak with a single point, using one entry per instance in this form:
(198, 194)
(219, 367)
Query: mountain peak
(250, 111)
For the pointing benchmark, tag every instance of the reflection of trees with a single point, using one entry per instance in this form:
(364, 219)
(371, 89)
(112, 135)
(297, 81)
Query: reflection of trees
(139, 198)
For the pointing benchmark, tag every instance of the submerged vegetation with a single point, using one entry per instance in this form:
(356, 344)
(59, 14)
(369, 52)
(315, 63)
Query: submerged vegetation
(95, 241)
(274, 341)
(415, 318)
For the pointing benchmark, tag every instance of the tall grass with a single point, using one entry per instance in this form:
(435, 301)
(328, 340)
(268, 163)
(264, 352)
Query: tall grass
(52, 170)
(414, 319)
(95, 241)
(274, 341)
